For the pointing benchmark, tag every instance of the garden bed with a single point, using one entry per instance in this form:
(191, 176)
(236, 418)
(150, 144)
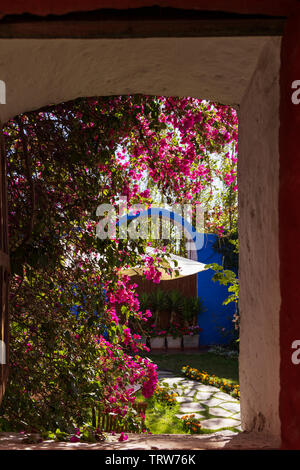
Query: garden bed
(205, 378)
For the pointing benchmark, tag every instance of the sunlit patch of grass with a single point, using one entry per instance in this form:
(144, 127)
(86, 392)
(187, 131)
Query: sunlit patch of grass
(161, 419)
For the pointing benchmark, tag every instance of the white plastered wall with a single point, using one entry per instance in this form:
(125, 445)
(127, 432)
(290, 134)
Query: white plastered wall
(258, 183)
(42, 72)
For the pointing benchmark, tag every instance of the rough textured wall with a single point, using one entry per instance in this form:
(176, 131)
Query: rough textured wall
(259, 246)
(42, 72)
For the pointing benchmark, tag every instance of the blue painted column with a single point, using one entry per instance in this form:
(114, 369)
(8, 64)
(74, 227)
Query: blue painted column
(216, 321)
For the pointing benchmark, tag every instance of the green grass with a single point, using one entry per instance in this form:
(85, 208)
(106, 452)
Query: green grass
(222, 367)
(161, 419)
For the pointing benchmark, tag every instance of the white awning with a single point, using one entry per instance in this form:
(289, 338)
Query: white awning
(185, 266)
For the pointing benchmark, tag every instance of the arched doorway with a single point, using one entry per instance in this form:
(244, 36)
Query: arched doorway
(62, 69)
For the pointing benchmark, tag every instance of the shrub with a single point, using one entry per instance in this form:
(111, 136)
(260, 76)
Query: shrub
(207, 379)
(191, 424)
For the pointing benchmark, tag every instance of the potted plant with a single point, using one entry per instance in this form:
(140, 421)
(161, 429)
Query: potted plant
(174, 336)
(191, 308)
(144, 299)
(157, 302)
(191, 337)
(157, 338)
(174, 304)
(153, 335)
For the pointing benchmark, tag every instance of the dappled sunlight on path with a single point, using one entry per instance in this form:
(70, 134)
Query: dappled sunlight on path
(215, 410)
(220, 440)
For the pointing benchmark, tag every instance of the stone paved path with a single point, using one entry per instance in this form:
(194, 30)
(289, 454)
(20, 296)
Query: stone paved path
(216, 410)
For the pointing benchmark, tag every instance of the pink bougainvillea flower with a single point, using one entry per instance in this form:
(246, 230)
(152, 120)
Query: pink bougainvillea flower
(123, 437)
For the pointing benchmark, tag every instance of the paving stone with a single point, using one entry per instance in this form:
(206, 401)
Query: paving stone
(204, 396)
(233, 407)
(216, 423)
(190, 383)
(200, 389)
(182, 394)
(220, 412)
(205, 388)
(226, 397)
(181, 386)
(225, 432)
(193, 386)
(212, 402)
(189, 393)
(183, 399)
(172, 380)
(190, 407)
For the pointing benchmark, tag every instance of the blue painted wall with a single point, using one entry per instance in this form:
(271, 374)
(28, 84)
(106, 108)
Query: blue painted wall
(217, 316)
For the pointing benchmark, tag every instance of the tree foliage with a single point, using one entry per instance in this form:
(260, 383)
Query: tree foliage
(63, 161)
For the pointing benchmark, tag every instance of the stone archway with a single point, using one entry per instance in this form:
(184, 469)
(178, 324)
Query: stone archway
(59, 69)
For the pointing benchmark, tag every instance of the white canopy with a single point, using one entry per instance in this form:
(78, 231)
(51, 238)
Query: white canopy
(185, 266)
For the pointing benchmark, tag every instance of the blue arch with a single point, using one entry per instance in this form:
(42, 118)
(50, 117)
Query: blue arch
(196, 237)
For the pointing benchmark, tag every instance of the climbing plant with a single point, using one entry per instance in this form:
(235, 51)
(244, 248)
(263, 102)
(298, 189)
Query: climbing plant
(63, 162)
